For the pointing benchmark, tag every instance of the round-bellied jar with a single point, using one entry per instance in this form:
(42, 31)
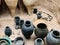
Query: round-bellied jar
(41, 30)
(53, 38)
(27, 29)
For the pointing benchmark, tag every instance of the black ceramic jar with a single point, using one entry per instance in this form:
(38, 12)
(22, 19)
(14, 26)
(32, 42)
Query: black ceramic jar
(8, 31)
(27, 29)
(17, 22)
(39, 41)
(21, 23)
(41, 30)
(35, 10)
(53, 38)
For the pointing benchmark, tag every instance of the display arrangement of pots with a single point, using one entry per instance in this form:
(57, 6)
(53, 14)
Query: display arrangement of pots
(5, 41)
(39, 41)
(28, 4)
(27, 29)
(12, 5)
(53, 38)
(8, 31)
(41, 30)
(19, 41)
(17, 22)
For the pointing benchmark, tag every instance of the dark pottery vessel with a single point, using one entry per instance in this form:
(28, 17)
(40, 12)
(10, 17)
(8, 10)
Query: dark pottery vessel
(39, 15)
(17, 22)
(41, 31)
(8, 31)
(53, 38)
(5, 41)
(27, 29)
(39, 41)
(35, 10)
(21, 23)
(19, 41)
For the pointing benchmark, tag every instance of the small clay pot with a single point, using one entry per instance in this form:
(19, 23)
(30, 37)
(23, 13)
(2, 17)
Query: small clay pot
(41, 30)
(5, 41)
(12, 5)
(17, 22)
(53, 38)
(35, 10)
(19, 41)
(27, 29)
(39, 41)
(39, 15)
(8, 31)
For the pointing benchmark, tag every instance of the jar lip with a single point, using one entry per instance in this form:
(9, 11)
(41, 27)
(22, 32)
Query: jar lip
(7, 26)
(56, 34)
(41, 25)
(28, 23)
(19, 38)
(17, 17)
(39, 39)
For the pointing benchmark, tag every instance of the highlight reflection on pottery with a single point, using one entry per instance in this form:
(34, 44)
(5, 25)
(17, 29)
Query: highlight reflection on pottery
(12, 5)
(27, 29)
(39, 41)
(53, 38)
(41, 30)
